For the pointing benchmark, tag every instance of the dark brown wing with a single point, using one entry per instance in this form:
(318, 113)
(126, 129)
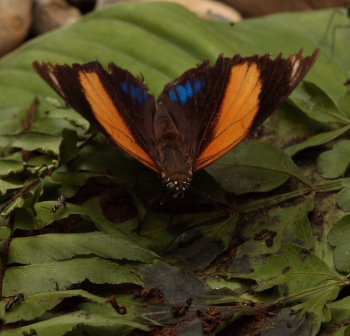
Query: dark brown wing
(215, 108)
(117, 103)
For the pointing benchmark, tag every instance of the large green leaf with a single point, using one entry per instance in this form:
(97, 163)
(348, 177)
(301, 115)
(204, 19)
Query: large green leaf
(339, 236)
(162, 40)
(299, 273)
(339, 154)
(50, 247)
(255, 167)
(37, 304)
(273, 230)
(50, 276)
(52, 250)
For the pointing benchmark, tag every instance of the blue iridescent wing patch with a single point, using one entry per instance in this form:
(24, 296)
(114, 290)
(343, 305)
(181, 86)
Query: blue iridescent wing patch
(135, 91)
(185, 92)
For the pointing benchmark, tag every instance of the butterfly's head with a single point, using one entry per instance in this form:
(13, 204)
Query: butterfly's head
(176, 172)
(177, 189)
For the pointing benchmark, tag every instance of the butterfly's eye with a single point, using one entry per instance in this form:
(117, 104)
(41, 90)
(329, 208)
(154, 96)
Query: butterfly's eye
(173, 189)
(176, 189)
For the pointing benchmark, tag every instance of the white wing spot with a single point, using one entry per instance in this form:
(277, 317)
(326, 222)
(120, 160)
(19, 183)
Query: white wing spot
(295, 68)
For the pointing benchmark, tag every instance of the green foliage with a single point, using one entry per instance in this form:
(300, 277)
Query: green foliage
(339, 154)
(285, 247)
(262, 166)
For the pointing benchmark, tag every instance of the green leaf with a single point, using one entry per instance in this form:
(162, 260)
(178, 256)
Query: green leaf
(255, 167)
(174, 287)
(75, 321)
(22, 204)
(339, 236)
(31, 141)
(344, 103)
(334, 163)
(9, 208)
(44, 215)
(8, 186)
(317, 104)
(40, 165)
(24, 198)
(298, 273)
(144, 27)
(192, 328)
(318, 139)
(343, 197)
(206, 237)
(323, 218)
(340, 310)
(50, 247)
(10, 167)
(10, 126)
(318, 306)
(290, 322)
(35, 305)
(70, 182)
(268, 233)
(4, 233)
(139, 29)
(68, 150)
(101, 158)
(178, 285)
(69, 115)
(48, 276)
(52, 126)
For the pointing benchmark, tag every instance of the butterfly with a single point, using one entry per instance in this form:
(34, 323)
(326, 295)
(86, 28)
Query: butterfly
(197, 118)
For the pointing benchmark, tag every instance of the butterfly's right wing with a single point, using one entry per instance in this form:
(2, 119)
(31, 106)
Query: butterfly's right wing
(216, 107)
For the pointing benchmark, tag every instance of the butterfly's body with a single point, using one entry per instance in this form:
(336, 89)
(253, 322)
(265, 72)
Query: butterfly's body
(176, 172)
(197, 119)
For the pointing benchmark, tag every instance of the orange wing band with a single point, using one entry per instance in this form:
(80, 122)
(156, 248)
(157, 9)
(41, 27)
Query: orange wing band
(238, 110)
(109, 117)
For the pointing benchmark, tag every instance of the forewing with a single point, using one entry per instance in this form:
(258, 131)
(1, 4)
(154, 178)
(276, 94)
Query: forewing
(117, 103)
(215, 108)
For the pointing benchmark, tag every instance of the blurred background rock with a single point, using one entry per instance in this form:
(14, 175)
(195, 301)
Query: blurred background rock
(22, 19)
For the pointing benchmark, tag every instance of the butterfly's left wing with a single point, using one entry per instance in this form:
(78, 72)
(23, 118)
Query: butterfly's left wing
(216, 107)
(117, 103)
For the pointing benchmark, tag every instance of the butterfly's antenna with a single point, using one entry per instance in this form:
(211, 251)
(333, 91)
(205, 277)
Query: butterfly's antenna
(219, 207)
(173, 212)
(160, 198)
(142, 220)
(172, 216)
(195, 227)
